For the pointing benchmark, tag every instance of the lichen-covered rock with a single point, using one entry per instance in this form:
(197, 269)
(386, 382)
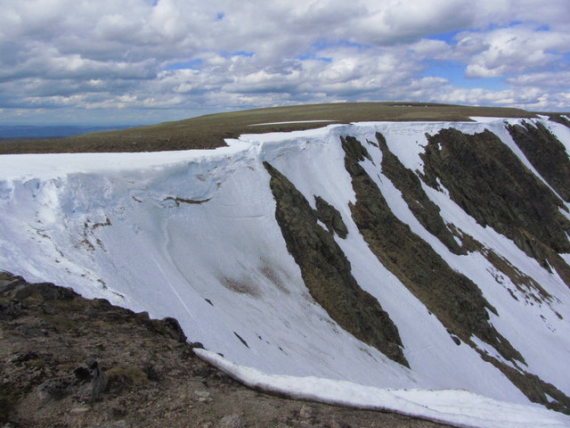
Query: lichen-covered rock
(452, 297)
(327, 272)
(409, 184)
(545, 153)
(330, 216)
(489, 182)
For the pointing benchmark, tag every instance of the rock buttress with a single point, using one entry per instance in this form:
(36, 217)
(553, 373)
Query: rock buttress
(327, 272)
(421, 206)
(452, 297)
(546, 153)
(490, 183)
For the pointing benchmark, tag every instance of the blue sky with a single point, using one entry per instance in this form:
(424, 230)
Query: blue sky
(146, 61)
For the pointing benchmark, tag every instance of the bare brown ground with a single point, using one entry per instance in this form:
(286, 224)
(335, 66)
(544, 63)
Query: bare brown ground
(152, 377)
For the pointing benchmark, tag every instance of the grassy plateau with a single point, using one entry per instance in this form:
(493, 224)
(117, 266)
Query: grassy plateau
(209, 131)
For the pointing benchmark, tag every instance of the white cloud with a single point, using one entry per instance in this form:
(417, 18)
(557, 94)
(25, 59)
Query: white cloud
(108, 54)
(511, 50)
(543, 80)
(429, 48)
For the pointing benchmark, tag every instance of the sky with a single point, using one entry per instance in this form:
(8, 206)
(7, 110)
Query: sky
(148, 61)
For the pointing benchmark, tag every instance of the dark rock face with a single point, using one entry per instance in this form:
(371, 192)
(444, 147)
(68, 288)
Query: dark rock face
(330, 217)
(10, 310)
(528, 287)
(56, 389)
(532, 386)
(492, 185)
(327, 272)
(546, 154)
(423, 208)
(560, 118)
(453, 298)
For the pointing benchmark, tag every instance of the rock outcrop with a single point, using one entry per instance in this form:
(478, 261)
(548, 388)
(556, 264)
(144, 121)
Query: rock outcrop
(70, 362)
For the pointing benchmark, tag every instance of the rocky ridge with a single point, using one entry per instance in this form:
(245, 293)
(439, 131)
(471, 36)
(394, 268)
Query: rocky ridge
(66, 361)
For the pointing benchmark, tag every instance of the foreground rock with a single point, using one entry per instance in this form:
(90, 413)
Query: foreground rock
(70, 362)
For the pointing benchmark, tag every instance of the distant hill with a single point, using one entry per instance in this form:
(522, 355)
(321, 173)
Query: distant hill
(207, 132)
(10, 132)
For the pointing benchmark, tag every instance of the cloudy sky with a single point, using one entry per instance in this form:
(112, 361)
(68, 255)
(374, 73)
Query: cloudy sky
(145, 61)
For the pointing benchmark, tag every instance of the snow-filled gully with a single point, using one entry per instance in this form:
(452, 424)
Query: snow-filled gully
(194, 235)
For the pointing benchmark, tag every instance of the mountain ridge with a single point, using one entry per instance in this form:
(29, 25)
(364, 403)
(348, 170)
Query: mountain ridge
(440, 223)
(210, 131)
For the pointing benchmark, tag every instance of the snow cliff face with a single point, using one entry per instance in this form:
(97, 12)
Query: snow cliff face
(431, 256)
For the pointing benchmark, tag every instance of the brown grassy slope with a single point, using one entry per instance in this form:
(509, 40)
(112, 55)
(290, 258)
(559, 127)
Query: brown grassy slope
(207, 132)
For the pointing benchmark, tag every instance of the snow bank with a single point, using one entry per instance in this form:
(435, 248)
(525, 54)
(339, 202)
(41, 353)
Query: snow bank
(293, 121)
(457, 407)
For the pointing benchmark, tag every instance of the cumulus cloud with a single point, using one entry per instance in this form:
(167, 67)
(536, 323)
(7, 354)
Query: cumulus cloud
(540, 80)
(512, 50)
(193, 57)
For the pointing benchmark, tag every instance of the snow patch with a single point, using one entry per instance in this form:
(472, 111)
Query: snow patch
(461, 408)
(293, 121)
(485, 119)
